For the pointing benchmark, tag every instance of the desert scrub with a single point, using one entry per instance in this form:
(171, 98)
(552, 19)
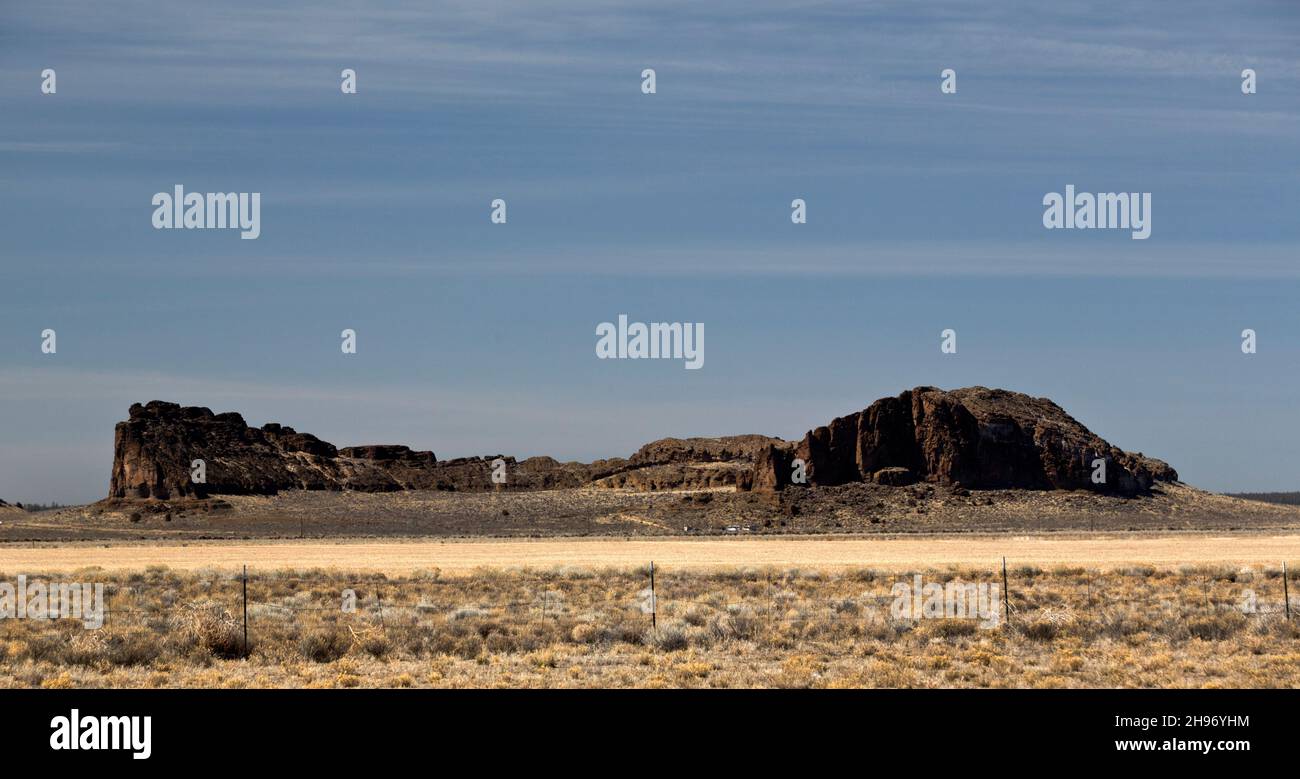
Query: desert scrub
(214, 629)
(325, 644)
(666, 638)
(566, 628)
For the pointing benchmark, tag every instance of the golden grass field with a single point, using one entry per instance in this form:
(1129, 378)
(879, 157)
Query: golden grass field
(907, 552)
(724, 619)
(754, 628)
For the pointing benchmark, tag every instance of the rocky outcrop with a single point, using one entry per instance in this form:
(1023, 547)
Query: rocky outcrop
(155, 448)
(731, 448)
(690, 463)
(155, 451)
(975, 437)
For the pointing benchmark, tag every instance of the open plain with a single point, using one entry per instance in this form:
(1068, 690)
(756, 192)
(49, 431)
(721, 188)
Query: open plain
(894, 553)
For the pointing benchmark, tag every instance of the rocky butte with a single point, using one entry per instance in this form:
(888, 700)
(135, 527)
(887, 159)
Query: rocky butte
(975, 438)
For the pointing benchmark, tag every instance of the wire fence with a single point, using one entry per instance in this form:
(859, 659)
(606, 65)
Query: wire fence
(774, 597)
(778, 616)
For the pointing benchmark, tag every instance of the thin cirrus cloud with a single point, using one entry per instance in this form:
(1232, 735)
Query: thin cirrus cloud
(953, 259)
(732, 52)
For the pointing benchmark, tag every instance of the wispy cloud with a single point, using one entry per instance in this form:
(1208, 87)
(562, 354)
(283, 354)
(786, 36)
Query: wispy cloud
(867, 259)
(57, 147)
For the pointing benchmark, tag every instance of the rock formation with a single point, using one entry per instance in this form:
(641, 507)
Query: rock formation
(154, 450)
(976, 438)
(689, 463)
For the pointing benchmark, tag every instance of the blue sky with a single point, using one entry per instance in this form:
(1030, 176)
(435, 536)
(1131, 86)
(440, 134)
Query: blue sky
(924, 212)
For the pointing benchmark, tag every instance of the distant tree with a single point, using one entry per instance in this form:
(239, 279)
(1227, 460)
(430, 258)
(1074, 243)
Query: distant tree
(34, 507)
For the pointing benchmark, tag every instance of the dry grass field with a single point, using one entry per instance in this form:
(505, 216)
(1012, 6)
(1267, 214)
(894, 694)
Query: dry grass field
(903, 552)
(1071, 626)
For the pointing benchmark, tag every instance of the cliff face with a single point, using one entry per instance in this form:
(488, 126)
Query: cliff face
(155, 446)
(153, 450)
(975, 437)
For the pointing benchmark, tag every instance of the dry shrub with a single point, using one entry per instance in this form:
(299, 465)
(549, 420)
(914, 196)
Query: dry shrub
(215, 629)
(584, 633)
(98, 648)
(135, 647)
(667, 638)
(739, 622)
(949, 627)
(1039, 629)
(324, 644)
(846, 606)
(799, 671)
(467, 647)
(1047, 624)
(1216, 627)
(47, 647)
(84, 648)
(697, 615)
(376, 645)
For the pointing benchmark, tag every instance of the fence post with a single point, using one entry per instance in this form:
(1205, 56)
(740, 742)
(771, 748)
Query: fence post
(1006, 593)
(379, 597)
(245, 582)
(654, 602)
(1286, 592)
(771, 603)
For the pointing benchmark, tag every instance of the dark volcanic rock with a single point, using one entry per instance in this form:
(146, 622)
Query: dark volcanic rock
(154, 449)
(773, 468)
(974, 437)
(386, 452)
(155, 446)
